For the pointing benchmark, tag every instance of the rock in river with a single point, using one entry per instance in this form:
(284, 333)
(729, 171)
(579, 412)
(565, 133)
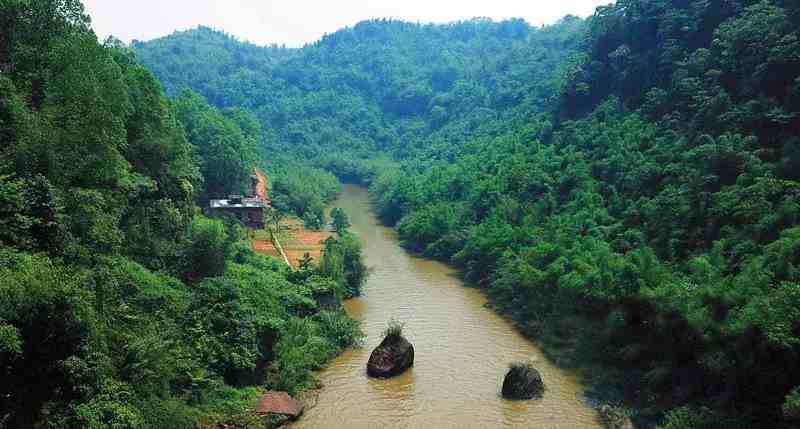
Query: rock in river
(392, 357)
(279, 403)
(522, 381)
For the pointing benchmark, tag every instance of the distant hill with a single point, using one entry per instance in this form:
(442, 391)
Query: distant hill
(376, 86)
(202, 57)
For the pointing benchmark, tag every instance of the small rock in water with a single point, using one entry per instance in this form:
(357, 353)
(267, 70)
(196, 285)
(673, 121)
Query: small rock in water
(522, 381)
(392, 357)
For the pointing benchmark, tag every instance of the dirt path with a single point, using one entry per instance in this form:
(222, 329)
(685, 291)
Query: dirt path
(263, 241)
(262, 187)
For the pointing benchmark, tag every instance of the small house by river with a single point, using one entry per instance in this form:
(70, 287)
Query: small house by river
(248, 210)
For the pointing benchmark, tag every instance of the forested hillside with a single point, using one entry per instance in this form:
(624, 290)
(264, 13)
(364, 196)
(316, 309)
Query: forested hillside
(381, 88)
(121, 305)
(625, 188)
(651, 234)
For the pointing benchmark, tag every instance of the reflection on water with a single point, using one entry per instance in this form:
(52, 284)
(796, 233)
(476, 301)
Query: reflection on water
(462, 350)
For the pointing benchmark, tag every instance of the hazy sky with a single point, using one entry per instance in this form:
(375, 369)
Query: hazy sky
(296, 22)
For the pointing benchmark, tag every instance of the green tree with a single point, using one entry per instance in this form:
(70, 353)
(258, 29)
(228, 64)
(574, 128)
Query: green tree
(207, 252)
(225, 153)
(311, 220)
(339, 220)
(342, 262)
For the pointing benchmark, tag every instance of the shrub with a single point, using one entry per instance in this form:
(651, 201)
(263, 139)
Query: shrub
(791, 407)
(207, 251)
(613, 416)
(339, 220)
(342, 261)
(339, 329)
(697, 417)
(299, 350)
(394, 329)
(312, 221)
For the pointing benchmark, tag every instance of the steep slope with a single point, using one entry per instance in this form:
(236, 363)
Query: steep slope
(653, 231)
(121, 305)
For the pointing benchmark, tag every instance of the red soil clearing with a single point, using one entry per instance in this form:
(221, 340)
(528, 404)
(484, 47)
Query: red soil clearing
(302, 241)
(296, 242)
(266, 247)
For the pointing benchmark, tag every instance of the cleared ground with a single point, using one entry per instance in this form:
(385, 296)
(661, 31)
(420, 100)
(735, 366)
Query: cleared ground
(295, 240)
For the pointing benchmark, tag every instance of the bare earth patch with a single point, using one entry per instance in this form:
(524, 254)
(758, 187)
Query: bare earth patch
(295, 240)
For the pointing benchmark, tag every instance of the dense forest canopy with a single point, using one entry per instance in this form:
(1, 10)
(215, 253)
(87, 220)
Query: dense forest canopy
(122, 305)
(379, 88)
(624, 187)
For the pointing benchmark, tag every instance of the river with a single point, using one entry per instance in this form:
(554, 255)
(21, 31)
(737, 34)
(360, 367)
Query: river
(462, 350)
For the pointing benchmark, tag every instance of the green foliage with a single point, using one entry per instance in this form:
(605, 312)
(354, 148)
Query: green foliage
(394, 329)
(229, 333)
(339, 220)
(431, 226)
(53, 320)
(301, 189)
(650, 238)
(29, 217)
(209, 53)
(613, 417)
(791, 407)
(224, 151)
(99, 174)
(342, 262)
(313, 221)
(207, 250)
(341, 330)
(306, 345)
(306, 263)
(9, 340)
(691, 417)
(340, 101)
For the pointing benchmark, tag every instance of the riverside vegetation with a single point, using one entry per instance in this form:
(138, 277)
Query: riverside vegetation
(122, 305)
(624, 187)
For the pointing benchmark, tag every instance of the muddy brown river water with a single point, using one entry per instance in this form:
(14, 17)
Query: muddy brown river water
(462, 350)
